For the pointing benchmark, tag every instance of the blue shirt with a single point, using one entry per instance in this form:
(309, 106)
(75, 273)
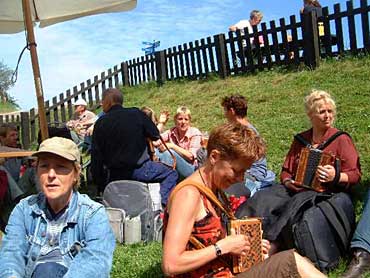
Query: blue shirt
(86, 226)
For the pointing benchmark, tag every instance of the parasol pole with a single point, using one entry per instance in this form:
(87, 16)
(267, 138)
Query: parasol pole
(35, 67)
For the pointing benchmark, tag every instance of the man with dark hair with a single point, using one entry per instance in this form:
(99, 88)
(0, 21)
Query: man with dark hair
(9, 138)
(119, 147)
(258, 176)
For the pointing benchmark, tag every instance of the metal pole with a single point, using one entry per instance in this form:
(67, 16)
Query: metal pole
(35, 67)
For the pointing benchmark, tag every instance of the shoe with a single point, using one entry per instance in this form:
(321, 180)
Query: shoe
(359, 264)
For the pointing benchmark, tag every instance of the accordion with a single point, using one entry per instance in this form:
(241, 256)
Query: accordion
(251, 227)
(309, 160)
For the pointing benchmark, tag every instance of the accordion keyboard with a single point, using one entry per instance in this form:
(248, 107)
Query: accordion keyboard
(311, 167)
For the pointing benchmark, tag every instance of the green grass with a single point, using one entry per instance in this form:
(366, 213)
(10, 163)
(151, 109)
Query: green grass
(7, 107)
(276, 109)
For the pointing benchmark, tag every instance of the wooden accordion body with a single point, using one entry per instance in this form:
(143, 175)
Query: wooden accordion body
(251, 227)
(309, 160)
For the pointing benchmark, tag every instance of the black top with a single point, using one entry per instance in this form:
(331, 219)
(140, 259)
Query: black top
(307, 9)
(119, 141)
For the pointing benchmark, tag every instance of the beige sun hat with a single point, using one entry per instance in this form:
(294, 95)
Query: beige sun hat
(80, 101)
(63, 147)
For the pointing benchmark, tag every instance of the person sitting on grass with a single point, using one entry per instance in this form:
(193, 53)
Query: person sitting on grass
(163, 117)
(119, 147)
(81, 121)
(273, 203)
(257, 176)
(58, 232)
(360, 245)
(232, 148)
(183, 140)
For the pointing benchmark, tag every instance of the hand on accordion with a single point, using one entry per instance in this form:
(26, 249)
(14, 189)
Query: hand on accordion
(265, 248)
(326, 173)
(291, 184)
(234, 244)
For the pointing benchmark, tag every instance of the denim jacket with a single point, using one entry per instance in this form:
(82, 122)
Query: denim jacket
(86, 241)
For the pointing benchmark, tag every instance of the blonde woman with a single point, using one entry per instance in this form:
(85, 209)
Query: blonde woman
(184, 141)
(340, 176)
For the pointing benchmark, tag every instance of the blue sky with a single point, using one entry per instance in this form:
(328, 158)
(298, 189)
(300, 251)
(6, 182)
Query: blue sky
(72, 52)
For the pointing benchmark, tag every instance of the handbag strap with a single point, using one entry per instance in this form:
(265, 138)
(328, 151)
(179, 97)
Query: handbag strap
(152, 152)
(170, 152)
(210, 195)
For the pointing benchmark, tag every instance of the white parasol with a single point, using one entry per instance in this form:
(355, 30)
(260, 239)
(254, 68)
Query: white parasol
(18, 15)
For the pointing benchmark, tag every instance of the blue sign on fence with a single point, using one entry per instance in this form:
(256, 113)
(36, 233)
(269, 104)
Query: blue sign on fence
(150, 47)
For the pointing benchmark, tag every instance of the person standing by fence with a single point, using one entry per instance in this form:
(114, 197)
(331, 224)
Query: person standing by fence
(255, 18)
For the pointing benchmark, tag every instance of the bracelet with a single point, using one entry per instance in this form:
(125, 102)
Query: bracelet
(218, 250)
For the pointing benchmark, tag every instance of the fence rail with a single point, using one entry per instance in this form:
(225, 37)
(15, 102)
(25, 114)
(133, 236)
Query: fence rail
(304, 39)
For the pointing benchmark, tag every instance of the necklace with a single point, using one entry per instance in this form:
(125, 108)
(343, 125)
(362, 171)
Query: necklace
(200, 174)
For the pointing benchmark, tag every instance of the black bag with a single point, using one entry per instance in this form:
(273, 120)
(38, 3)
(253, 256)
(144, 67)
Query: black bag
(135, 199)
(323, 232)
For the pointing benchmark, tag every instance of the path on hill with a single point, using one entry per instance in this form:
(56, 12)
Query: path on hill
(15, 113)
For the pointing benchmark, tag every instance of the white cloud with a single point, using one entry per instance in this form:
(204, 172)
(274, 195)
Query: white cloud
(72, 52)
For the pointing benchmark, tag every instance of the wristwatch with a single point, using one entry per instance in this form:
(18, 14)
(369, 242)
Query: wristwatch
(218, 250)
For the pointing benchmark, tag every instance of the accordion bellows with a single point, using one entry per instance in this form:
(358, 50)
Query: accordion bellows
(251, 227)
(309, 160)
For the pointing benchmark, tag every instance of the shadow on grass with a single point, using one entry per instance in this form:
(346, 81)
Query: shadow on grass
(152, 272)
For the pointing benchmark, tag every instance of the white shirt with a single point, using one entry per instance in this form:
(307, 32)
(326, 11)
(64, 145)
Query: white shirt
(244, 24)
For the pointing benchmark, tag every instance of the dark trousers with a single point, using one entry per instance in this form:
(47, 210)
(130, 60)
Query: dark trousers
(150, 171)
(47, 270)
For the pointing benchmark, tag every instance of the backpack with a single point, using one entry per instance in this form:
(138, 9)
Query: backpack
(117, 218)
(325, 243)
(135, 199)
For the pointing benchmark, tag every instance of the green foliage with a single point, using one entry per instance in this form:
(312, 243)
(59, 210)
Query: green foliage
(275, 108)
(5, 84)
(7, 107)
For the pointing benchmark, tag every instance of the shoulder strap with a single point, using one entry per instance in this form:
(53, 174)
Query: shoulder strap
(331, 217)
(343, 216)
(326, 143)
(301, 140)
(206, 191)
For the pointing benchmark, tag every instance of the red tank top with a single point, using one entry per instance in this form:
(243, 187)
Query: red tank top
(208, 231)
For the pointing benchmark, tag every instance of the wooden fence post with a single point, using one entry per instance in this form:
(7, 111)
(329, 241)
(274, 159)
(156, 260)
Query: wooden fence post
(311, 44)
(125, 77)
(25, 128)
(221, 55)
(161, 66)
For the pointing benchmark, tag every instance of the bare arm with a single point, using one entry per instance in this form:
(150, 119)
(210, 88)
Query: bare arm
(233, 28)
(181, 151)
(184, 210)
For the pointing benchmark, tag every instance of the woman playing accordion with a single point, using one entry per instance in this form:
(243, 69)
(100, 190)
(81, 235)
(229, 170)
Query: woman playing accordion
(195, 241)
(338, 175)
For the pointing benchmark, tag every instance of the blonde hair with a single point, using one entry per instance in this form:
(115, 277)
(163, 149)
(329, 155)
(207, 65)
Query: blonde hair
(150, 113)
(256, 14)
(316, 99)
(183, 110)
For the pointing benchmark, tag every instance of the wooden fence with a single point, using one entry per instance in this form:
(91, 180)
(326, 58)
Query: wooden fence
(305, 39)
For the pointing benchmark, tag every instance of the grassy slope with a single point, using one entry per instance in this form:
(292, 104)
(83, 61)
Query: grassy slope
(275, 101)
(7, 107)
(276, 109)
